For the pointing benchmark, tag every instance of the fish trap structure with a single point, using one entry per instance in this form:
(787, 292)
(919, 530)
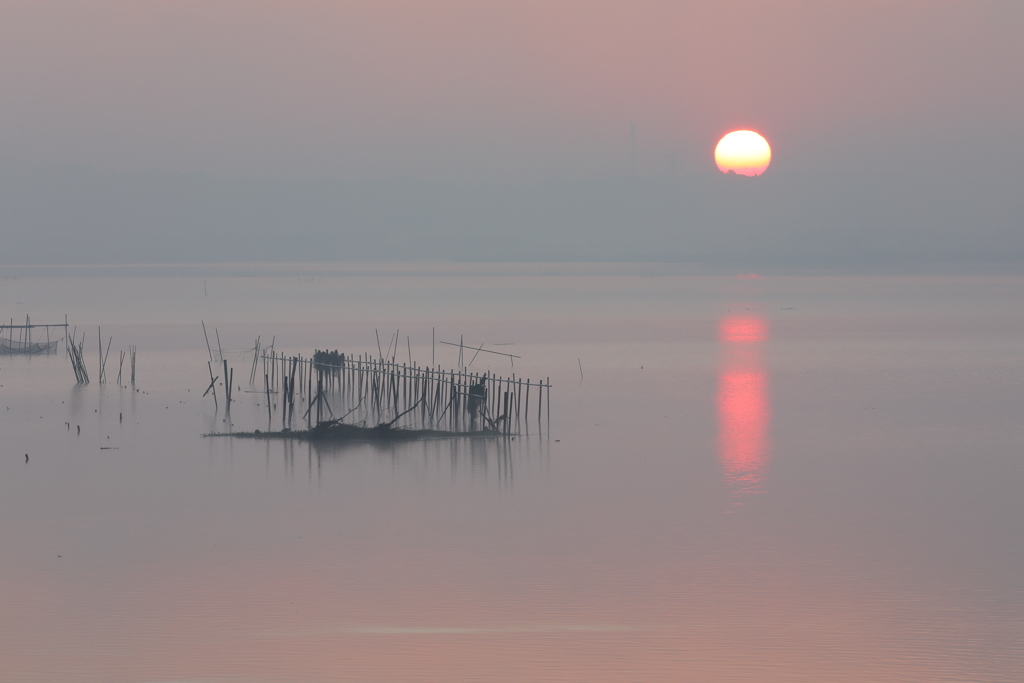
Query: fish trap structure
(377, 392)
(76, 354)
(25, 344)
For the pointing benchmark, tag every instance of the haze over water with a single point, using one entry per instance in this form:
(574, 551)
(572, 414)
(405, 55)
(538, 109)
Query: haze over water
(773, 479)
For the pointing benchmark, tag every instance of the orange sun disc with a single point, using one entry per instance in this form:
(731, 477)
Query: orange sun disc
(743, 152)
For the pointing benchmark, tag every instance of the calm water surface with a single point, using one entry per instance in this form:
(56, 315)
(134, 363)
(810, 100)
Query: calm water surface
(775, 479)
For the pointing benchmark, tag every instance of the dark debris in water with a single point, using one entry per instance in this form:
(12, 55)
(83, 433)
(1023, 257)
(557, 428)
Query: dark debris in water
(336, 431)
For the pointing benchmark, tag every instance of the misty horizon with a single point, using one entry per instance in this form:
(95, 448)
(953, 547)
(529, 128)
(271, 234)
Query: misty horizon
(174, 132)
(858, 216)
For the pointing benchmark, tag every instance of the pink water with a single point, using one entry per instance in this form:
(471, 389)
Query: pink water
(775, 479)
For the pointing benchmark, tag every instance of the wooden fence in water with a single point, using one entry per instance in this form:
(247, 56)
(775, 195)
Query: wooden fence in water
(372, 391)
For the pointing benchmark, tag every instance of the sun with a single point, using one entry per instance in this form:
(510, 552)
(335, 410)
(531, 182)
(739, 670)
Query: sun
(743, 152)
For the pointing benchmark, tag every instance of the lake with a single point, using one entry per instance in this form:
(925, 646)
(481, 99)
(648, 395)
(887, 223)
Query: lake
(745, 478)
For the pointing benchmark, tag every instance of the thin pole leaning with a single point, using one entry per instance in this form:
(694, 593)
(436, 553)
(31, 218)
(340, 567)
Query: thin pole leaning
(207, 338)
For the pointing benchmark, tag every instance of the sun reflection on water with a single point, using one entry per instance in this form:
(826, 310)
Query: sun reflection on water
(743, 403)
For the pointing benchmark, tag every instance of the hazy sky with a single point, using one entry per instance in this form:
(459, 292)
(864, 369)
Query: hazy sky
(509, 92)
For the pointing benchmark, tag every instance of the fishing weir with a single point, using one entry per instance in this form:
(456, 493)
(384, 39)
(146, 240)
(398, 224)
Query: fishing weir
(368, 397)
(74, 348)
(24, 344)
(76, 354)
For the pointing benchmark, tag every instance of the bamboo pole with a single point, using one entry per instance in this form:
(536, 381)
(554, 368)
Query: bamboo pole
(266, 384)
(207, 338)
(526, 408)
(227, 387)
(213, 384)
(103, 366)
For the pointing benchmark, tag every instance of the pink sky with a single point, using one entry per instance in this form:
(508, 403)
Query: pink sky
(457, 90)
